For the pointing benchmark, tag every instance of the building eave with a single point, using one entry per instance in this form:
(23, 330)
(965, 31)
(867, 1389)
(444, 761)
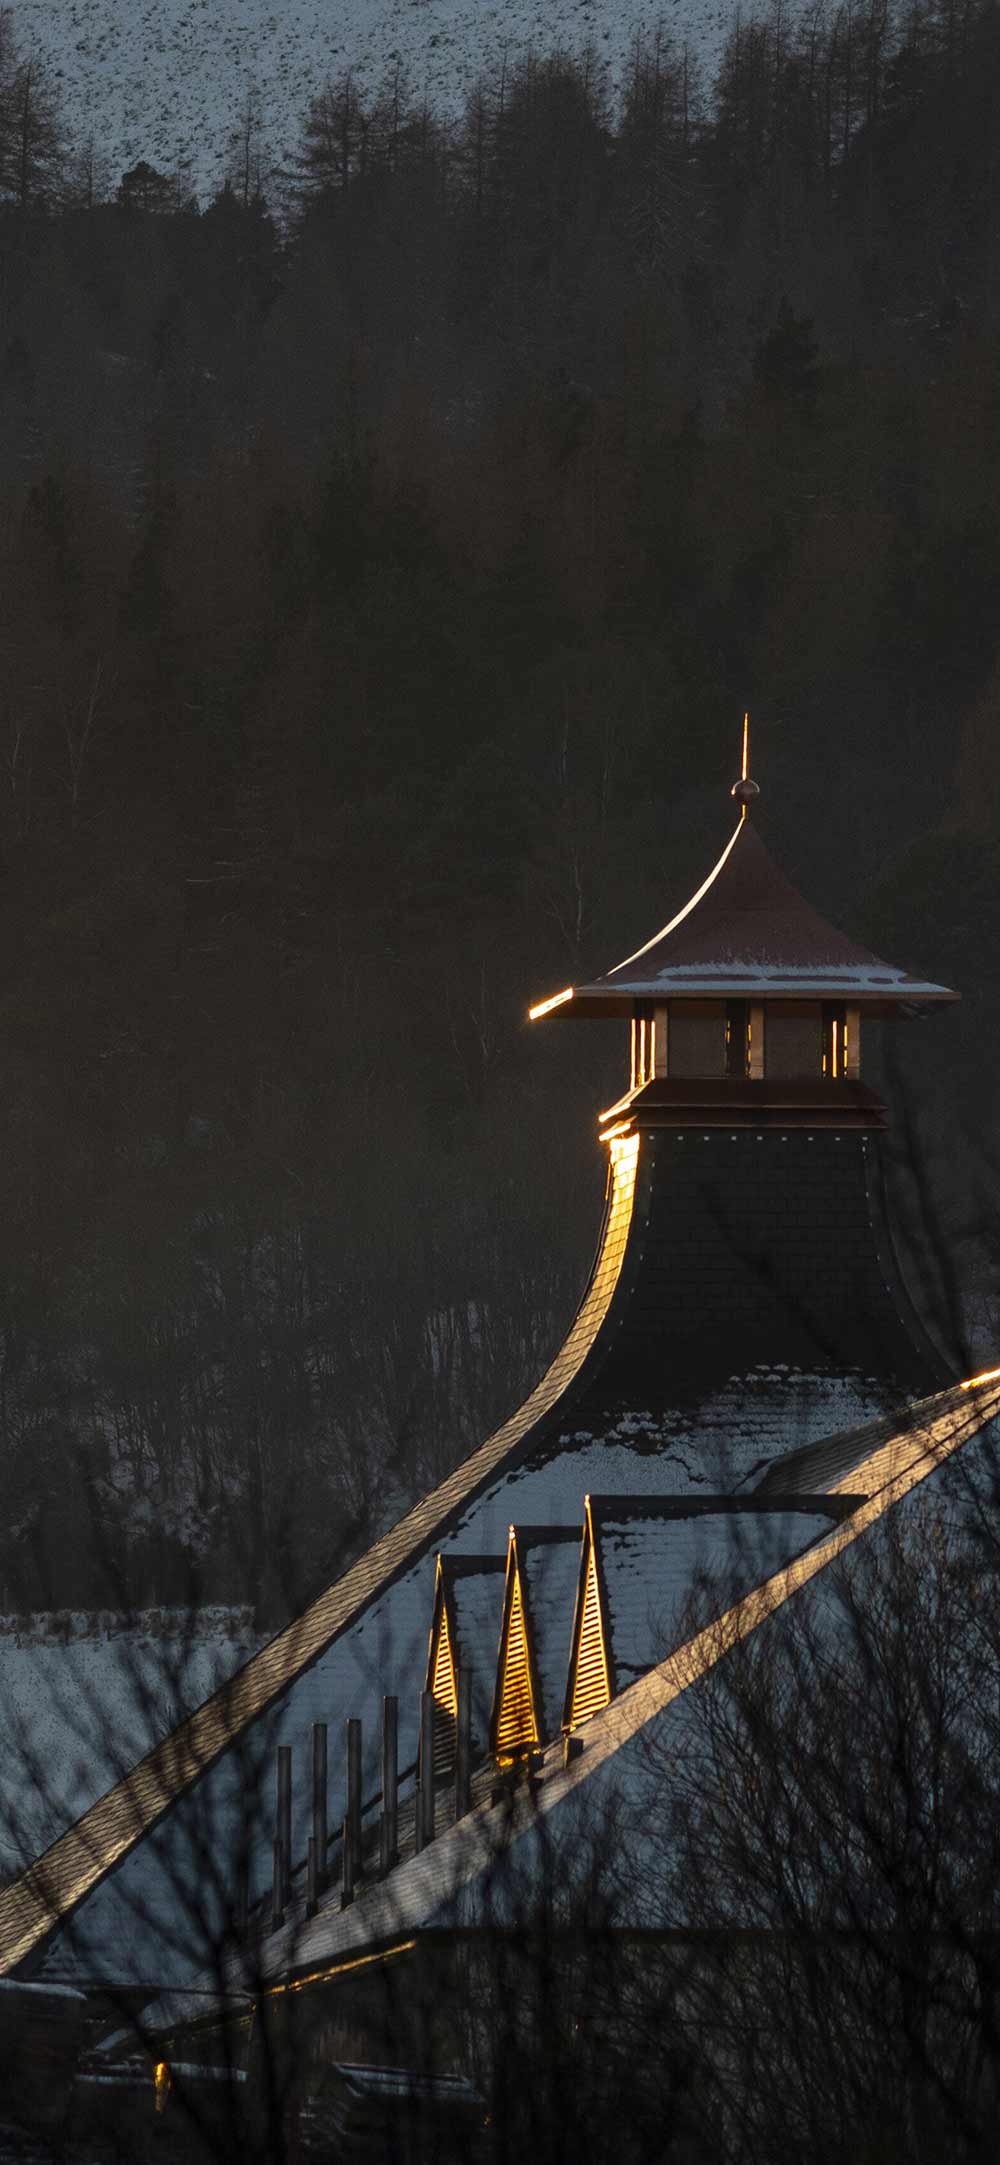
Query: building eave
(880, 997)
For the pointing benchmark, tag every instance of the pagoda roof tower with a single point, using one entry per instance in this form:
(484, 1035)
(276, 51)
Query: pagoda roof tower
(744, 1319)
(766, 1243)
(746, 1007)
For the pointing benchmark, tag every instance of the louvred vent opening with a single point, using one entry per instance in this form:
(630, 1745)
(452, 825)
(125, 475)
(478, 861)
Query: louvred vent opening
(516, 1727)
(590, 1676)
(445, 1691)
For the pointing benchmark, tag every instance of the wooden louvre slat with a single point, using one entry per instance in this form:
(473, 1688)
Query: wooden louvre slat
(444, 1686)
(516, 1727)
(590, 1672)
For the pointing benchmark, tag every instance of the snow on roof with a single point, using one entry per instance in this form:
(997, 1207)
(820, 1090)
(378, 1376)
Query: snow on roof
(404, 2082)
(831, 1463)
(661, 1564)
(33, 1905)
(19, 1987)
(442, 1886)
(714, 1444)
(782, 980)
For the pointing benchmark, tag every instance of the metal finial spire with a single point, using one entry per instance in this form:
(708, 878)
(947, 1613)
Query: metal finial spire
(744, 790)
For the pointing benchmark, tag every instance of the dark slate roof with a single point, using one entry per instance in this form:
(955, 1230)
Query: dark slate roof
(831, 1464)
(664, 1560)
(771, 1248)
(474, 1592)
(748, 933)
(60, 1879)
(437, 1888)
(550, 1565)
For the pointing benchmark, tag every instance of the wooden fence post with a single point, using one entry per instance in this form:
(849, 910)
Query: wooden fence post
(277, 1883)
(352, 1817)
(319, 1801)
(389, 1831)
(425, 1798)
(463, 1743)
(347, 1872)
(283, 1820)
(241, 1917)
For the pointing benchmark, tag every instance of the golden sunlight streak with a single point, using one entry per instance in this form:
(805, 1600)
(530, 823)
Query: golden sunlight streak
(338, 1969)
(686, 911)
(545, 1006)
(989, 1375)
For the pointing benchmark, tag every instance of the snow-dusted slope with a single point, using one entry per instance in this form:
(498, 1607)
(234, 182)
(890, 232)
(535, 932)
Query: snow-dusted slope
(78, 1705)
(165, 79)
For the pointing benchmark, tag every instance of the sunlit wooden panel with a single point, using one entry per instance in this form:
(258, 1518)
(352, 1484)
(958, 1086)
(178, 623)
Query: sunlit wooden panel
(591, 1688)
(444, 1686)
(516, 1728)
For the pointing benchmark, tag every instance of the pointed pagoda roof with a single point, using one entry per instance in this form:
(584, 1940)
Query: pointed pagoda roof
(747, 933)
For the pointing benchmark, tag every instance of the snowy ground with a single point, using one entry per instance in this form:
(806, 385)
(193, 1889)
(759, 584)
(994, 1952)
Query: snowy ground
(81, 1700)
(165, 79)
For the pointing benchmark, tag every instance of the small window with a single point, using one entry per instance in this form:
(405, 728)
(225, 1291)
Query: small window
(793, 1039)
(697, 1038)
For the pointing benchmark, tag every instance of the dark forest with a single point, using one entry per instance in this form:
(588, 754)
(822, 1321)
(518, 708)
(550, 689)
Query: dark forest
(390, 548)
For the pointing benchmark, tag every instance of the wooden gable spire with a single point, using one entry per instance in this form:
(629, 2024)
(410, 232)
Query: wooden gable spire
(464, 1630)
(515, 1727)
(442, 1679)
(542, 1568)
(590, 1685)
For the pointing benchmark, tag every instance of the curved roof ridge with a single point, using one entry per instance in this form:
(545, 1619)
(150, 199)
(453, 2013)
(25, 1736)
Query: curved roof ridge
(74, 1864)
(747, 931)
(697, 897)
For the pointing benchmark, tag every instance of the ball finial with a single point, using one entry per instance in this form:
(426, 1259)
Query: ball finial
(744, 790)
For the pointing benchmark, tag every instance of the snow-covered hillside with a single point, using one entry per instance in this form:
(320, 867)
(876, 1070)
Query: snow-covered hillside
(165, 79)
(81, 1701)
